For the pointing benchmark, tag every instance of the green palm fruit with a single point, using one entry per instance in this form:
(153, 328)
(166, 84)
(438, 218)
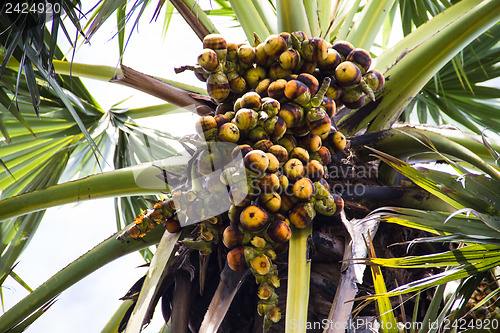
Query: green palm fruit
(361, 58)
(217, 43)
(237, 84)
(253, 218)
(300, 153)
(307, 67)
(228, 132)
(246, 54)
(374, 79)
(303, 189)
(256, 161)
(263, 145)
(298, 92)
(329, 106)
(289, 59)
(261, 58)
(347, 74)
(302, 215)
(334, 92)
(269, 183)
(280, 152)
(318, 121)
(274, 45)
(294, 169)
(263, 86)
(251, 100)
(276, 89)
(277, 72)
(208, 60)
(310, 81)
(300, 36)
(236, 259)
(311, 142)
(314, 49)
(207, 127)
(232, 50)
(288, 141)
(270, 106)
(231, 66)
(291, 113)
(326, 206)
(270, 201)
(258, 133)
(232, 237)
(276, 127)
(353, 98)
(218, 86)
(274, 164)
(320, 190)
(279, 231)
(246, 119)
(258, 242)
(314, 170)
(240, 151)
(254, 75)
(343, 48)
(327, 66)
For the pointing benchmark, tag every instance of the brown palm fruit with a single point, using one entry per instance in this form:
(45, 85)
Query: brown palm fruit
(240, 151)
(261, 265)
(279, 231)
(310, 81)
(294, 169)
(314, 49)
(289, 59)
(271, 106)
(277, 72)
(291, 113)
(232, 237)
(318, 121)
(288, 201)
(251, 100)
(303, 189)
(338, 141)
(236, 259)
(257, 134)
(329, 106)
(300, 153)
(218, 86)
(201, 76)
(374, 79)
(298, 92)
(361, 58)
(262, 87)
(254, 75)
(339, 202)
(263, 145)
(232, 50)
(237, 84)
(300, 36)
(353, 98)
(347, 74)
(274, 164)
(274, 314)
(280, 152)
(311, 142)
(240, 194)
(207, 127)
(256, 161)
(302, 215)
(288, 141)
(270, 201)
(300, 130)
(269, 183)
(274, 45)
(217, 43)
(228, 132)
(327, 66)
(315, 170)
(221, 119)
(172, 225)
(276, 89)
(283, 180)
(276, 127)
(208, 60)
(246, 54)
(246, 119)
(343, 48)
(253, 218)
(307, 67)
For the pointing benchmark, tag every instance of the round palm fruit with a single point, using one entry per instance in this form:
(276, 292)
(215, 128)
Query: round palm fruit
(261, 265)
(246, 119)
(277, 72)
(318, 121)
(343, 48)
(325, 206)
(279, 231)
(300, 153)
(232, 50)
(314, 49)
(218, 86)
(240, 151)
(274, 164)
(236, 259)
(234, 214)
(270, 106)
(322, 155)
(256, 161)
(329, 106)
(217, 43)
(339, 202)
(251, 100)
(240, 194)
(347, 74)
(374, 79)
(310, 81)
(299, 35)
(307, 67)
(338, 141)
(221, 119)
(315, 170)
(237, 84)
(360, 57)
(207, 126)
(208, 60)
(283, 183)
(288, 141)
(258, 133)
(270, 201)
(291, 113)
(261, 58)
(246, 54)
(300, 130)
(289, 59)
(302, 215)
(327, 66)
(286, 36)
(274, 45)
(229, 132)
(263, 145)
(279, 152)
(303, 189)
(356, 104)
(311, 142)
(320, 190)
(253, 218)
(294, 169)
(237, 105)
(288, 201)
(232, 237)
(172, 225)
(269, 183)
(334, 92)
(276, 89)
(298, 92)
(262, 87)
(254, 75)
(276, 127)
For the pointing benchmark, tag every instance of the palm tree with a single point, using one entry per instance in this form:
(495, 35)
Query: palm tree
(438, 74)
